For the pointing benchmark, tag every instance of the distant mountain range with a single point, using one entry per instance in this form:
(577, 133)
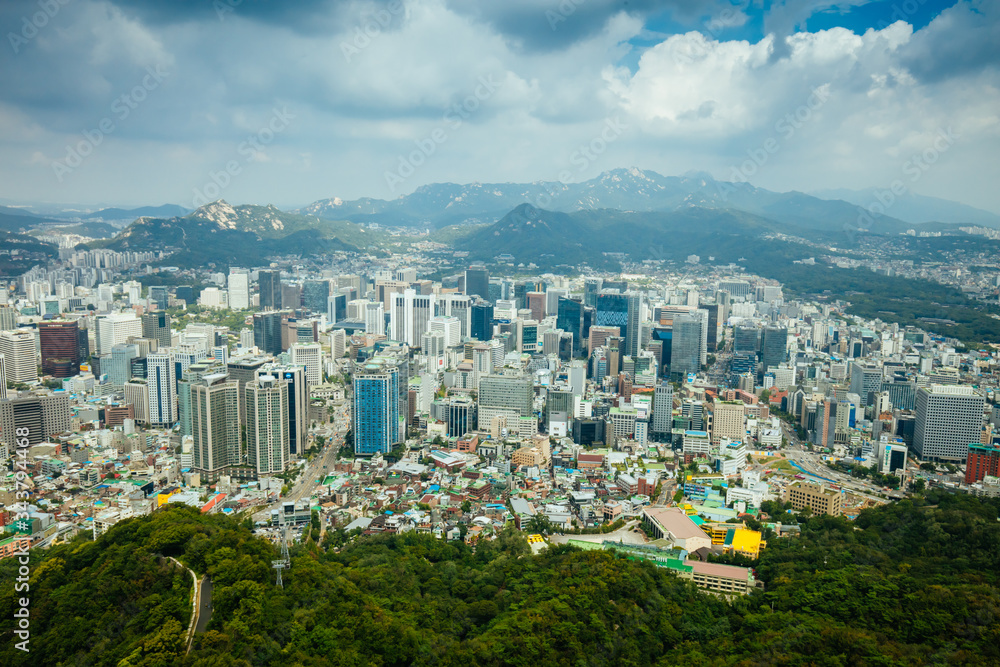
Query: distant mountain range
(164, 211)
(223, 234)
(443, 204)
(915, 209)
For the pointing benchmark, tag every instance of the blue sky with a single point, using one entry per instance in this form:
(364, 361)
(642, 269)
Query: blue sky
(131, 102)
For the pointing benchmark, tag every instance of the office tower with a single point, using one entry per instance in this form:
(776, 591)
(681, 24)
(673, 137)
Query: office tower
(269, 284)
(374, 318)
(376, 418)
(298, 404)
(902, 393)
(447, 326)
(591, 288)
(214, 413)
(527, 336)
(137, 395)
(315, 294)
(267, 332)
(160, 296)
(891, 456)
(338, 343)
(8, 318)
(246, 338)
(746, 339)
(552, 296)
(156, 326)
(569, 318)
(536, 304)
(119, 365)
(520, 294)
(982, 460)
(409, 315)
(268, 425)
(714, 326)
(685, 346)
(239, 288)
(291, 296)
(477, 281)
(578, 377)
(161, 380)
(622, 311)
(773, 347)
(865, 381)
(728, 421)
(481, 325)
(310, 357)
(337, 308)
(185, 293)
(115, 329)
(663, 410)
(504, 396)
(58, 340)
(42, 416)
(18, 348)
(3, 377)
(949, 418)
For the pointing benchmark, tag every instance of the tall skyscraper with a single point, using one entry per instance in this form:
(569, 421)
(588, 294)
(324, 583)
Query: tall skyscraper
(298, 403)
(504, 396)
(267, 425)
(315, 294)
(43, 416)
(156, 326)
(239, 288)
(409, 315)
(614, 309)
(161, 379)
(569, 318)
(18, 349)
(865, 380)
(477, 281)
(58, 340)
(374, 318)
(376, 418)
(663, 410)
(159, 297)
(310, 357)
(773, 347)
(119, 365)
(481, 326)
(269, 283)
(685, 346)
(214, 424)
(949, 419)
(115, 329)
(244, 370)
(746, 339)
(267, 332)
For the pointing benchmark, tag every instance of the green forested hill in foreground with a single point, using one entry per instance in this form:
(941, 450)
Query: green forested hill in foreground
(910, 583)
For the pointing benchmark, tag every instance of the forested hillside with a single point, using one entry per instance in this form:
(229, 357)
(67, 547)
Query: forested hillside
(910, 583)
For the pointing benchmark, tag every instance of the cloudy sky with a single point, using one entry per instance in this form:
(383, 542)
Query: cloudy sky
(134, 102)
